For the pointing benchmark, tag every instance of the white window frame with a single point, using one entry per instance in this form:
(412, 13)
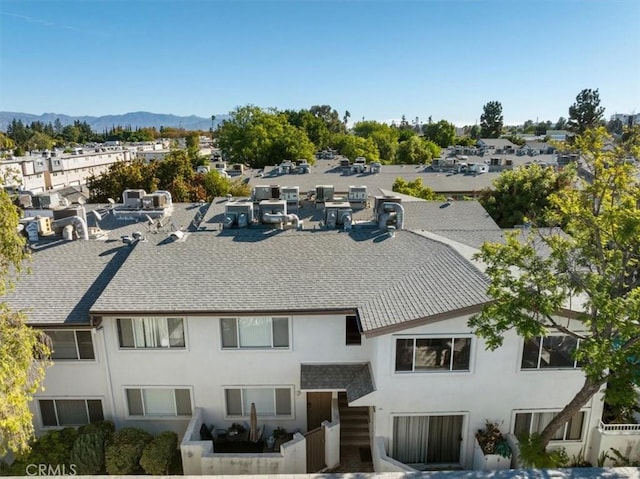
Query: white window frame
(237, 320)
(246, 414)
(147, 417)
(135, 347)
(555, 368)
(415, 337)
(72, 398)
(75, 336)
(585, 423)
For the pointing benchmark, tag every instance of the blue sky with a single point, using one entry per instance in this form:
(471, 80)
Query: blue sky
(376, 59)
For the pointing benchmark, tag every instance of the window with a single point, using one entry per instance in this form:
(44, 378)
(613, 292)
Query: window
(268, 401)
(432, 354)
(70, 412)
(427, 439)
(71, 344)
(554, 352)
(151, 333)
(353, 330)
(254, 332)
(535, 422)
(159, 402)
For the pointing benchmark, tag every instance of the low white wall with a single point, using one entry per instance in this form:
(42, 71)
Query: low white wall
(332, 437)
(292, 459)
(199, 458)
(384, 463)
(627, 442)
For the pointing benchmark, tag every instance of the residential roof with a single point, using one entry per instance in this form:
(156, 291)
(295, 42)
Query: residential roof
(496, 142)
(355, 378)
(264, 270)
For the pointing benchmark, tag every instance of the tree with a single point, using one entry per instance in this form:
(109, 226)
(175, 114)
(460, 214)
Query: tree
(330, 116)
(586, 112)
(442, 133)
(258, 138)
(354, 146)
(24, 351)
(475, 132)
(346, 117)
(383, 136)
(598, 263)
(615, 126)
(415, 188)
(491, 120)
(522, 195)
(416, 150)
(561, 124)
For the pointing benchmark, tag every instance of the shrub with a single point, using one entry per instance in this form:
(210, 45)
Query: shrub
(158, 454)
(122, 455)
(53, 448)
(532, 454)
(89, 447)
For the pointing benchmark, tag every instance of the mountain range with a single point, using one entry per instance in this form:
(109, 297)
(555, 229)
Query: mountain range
(138, 119)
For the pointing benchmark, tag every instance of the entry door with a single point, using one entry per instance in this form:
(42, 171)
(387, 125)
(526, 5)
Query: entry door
(318, 409)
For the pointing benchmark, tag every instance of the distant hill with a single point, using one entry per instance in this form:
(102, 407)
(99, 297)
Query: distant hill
(138, 119)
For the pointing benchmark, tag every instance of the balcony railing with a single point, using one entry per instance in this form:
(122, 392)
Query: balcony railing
(619, 428)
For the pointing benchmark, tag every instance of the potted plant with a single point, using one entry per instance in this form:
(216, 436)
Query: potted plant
(492, 452)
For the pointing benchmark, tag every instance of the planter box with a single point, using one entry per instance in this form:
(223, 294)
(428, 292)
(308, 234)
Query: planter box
(488, 462)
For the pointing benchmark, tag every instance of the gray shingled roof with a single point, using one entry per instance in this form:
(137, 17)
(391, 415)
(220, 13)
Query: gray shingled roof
(388, 280)
(65, 280)
(355, 378)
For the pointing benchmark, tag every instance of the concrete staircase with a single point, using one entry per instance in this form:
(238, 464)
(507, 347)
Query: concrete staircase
(354, 424)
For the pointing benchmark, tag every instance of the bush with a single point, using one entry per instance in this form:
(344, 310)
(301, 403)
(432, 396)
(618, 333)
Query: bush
(89, 447)
(158, 454)
(123, 453)
(532, 454)
(53, 448)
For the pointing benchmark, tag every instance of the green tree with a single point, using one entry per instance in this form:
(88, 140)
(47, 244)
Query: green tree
(259, 138)
(491, 120)
(598, 263)
(6, 143)
(561, 124)
(523, 194)
(354, 146)
(586, 112)
(415, 150)
(383, 136)
(415, 188)
(441, 133)
(330, 116)
(24, 351)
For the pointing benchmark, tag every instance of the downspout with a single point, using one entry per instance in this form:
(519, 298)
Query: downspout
(107, 369)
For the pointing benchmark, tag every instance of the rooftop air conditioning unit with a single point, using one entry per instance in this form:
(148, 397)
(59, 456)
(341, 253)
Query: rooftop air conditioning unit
(379, 200)
(357, 194)
(133, 198)
(46, 201)
(238, 213)
(291, 194)
(266, 192)
(338, 213)
(324, 193)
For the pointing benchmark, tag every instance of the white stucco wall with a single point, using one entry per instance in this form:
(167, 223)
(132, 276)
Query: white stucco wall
(76, 379)
(207, 369)
(492, 390)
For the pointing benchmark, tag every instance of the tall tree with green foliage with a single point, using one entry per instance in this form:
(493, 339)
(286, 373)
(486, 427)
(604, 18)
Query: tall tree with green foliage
(586, 112)
(597, 265)
(523, 195)
(24, 351)
(353, 146)
(416, 150)
(330, 116)
(383, 136)
(258, 138)
(441, 133)
(491, 120)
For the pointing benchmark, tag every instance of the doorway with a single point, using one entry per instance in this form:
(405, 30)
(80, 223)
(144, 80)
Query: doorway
(318, 409)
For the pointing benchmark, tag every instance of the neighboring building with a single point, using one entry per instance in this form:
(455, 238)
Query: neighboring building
(191, 319)
(53, 170)
(533, 148)
(498, 145)
(627, 119)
